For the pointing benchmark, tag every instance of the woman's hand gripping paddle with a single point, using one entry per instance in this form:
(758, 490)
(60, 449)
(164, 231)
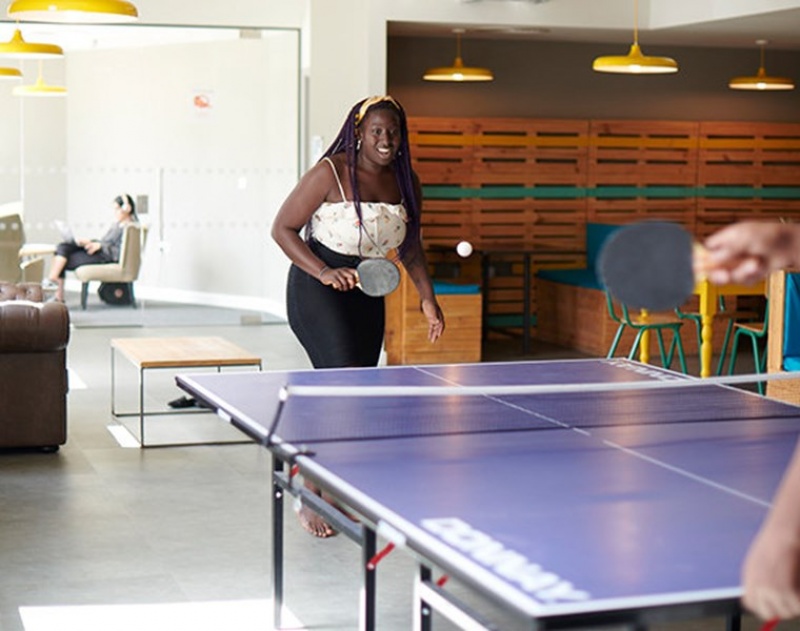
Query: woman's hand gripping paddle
(648, 265)
(377, 277)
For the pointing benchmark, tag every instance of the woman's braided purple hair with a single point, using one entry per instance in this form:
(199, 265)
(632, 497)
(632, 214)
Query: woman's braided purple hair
(345, 142)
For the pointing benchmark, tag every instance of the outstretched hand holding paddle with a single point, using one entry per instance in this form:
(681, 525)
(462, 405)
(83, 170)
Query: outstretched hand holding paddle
(649, 265)
(654, 265)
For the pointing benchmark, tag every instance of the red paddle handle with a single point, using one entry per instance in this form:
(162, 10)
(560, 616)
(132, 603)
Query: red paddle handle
(769, 625)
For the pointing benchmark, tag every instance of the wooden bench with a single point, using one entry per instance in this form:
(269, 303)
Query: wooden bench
(406, 339)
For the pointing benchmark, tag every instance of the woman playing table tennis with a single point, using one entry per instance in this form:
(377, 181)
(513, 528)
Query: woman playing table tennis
(744, 253)
(361, 200)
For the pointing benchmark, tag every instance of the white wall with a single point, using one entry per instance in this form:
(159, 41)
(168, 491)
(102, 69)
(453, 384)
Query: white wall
(214, 181)
(32, 158)
(214, 176)
(9, 147)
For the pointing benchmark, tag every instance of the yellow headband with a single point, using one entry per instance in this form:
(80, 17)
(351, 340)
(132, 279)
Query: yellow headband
(373, 100)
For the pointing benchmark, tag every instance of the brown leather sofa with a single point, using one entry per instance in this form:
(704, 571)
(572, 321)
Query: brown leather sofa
(33, 368)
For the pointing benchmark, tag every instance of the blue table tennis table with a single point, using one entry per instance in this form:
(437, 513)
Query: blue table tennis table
(586, 509)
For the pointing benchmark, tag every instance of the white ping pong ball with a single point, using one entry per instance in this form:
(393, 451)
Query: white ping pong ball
(464, 248)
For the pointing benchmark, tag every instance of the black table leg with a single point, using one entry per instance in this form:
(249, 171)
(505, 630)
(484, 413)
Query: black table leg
(733, 622)
(277, 544)
(368, 550)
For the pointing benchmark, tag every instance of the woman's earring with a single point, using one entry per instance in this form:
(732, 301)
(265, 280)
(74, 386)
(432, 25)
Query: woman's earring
(358, 144)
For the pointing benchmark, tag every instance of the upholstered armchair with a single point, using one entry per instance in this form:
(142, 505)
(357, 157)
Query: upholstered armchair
(33, 368)
(13, 269)
(126, 270)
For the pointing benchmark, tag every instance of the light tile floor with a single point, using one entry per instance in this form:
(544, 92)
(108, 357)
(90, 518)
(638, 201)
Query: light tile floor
(99, 525)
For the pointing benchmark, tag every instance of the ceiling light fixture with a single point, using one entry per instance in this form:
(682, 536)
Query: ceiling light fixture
(458, 71)
(10, 73)
(635, 62)
(761, 80)
(94, 11)
(18, 48)
(40, 88)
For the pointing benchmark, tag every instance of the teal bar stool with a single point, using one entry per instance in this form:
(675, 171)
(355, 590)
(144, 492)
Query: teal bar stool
(756, 331)
(657, 322)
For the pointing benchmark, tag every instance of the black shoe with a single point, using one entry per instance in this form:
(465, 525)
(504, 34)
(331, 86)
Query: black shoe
(183, 402)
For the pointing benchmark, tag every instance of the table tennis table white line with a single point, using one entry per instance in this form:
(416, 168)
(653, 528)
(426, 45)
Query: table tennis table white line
(501, 401)
(632, 452)
(667, 383)
(538, 415)
(637, 454)
(689, 474)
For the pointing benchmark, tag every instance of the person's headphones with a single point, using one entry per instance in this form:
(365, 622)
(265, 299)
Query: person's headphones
(124, 202)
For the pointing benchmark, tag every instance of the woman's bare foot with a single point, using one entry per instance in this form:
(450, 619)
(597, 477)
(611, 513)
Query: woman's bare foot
(314, 523)
(311, 521)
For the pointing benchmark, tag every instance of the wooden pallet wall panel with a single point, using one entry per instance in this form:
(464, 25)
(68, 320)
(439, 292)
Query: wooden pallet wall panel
(623, 211)
(530, 183)
(642, 153)
(751, 154)
(527, 152)
(442, 150)
(444, 220)
(713, 214)
(559, 224)
(504, 220)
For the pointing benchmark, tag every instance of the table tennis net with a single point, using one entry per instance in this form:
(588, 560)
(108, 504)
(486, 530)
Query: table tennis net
(350, 418)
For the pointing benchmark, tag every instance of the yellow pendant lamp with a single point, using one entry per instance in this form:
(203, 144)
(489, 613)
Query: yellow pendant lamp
(10, 73)
(40, 88)
(93, 11)
(458, 71)
(635, 62)
(18, 48)
(761, 80)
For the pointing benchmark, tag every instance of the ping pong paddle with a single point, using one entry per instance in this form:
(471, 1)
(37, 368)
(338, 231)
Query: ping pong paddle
(377, 277)
(648, 265)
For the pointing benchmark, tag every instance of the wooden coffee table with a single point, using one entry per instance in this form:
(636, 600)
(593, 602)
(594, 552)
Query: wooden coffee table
(158, 353)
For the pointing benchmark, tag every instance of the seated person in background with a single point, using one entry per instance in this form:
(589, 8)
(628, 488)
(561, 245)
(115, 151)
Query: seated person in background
(72, 254)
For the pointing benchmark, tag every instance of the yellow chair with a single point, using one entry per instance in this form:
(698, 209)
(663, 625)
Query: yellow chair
(657, 322)
(756, 331)
(732, 316)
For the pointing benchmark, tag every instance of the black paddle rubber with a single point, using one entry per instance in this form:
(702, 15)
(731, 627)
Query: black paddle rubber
(378, 277)
(648, 265)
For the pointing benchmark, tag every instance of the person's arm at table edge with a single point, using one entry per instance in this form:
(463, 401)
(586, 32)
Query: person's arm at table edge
(771, 571)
